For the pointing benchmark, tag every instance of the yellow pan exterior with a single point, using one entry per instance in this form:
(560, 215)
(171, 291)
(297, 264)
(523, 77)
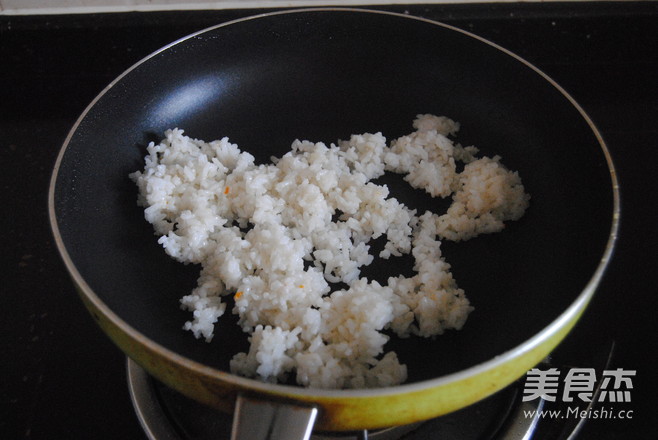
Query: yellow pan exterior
(340, 410)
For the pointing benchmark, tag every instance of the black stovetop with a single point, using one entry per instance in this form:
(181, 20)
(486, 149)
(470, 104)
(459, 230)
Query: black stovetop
(60, 377)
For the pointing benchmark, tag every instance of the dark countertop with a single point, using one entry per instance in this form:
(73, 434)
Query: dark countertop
(60, 377)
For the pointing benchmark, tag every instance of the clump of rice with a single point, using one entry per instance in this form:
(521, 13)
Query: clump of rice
(278, 236)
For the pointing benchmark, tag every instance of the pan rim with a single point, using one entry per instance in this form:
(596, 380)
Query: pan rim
(567, 316)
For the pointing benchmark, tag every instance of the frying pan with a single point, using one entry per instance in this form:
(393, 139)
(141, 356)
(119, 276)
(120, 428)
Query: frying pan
(321, 75)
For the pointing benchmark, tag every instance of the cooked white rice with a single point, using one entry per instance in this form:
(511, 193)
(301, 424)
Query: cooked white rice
(252, 228)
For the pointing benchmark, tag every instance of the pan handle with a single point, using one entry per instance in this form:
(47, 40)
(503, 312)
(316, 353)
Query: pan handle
(257, 419)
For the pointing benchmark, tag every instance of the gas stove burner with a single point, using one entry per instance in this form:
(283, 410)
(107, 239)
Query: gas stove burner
(384, 434)
(165, 414)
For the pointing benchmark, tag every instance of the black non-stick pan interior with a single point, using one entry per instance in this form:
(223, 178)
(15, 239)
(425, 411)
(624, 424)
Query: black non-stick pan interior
(321, 76)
